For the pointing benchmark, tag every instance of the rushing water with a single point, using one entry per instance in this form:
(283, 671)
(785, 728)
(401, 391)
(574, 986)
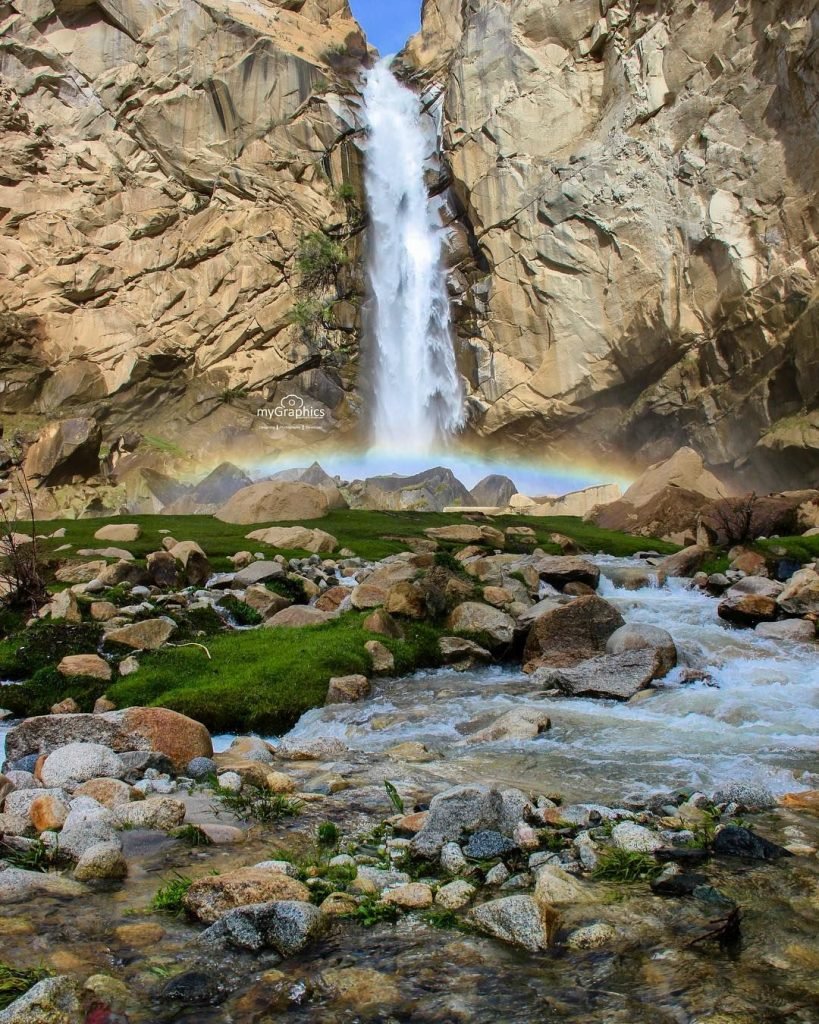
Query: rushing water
(418, 398)
(755, 721)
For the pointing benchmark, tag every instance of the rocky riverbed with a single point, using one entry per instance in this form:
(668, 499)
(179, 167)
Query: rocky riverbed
(616, 822)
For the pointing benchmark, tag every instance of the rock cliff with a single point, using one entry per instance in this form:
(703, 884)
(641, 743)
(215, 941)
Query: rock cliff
(179, 233)
(635, 261)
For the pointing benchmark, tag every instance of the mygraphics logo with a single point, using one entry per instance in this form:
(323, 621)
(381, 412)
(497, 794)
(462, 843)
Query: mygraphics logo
(293, 412)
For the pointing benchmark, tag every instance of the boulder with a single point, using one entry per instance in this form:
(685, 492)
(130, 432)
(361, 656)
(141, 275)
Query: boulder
(168, 732)
(264, 601)
(103, 862)
(614, 676)
(555, 887)
(298, 616)
(123, 572)
(347, 689)
(195, 564)
(467, 534)
(162, 813)
(213, 896)
(671, 514)
(685, 562)
(274, 502)
(296, 537)
(368, 595)
(381, 657)
(19, 886)
(87, 824)
(406, 600)
(758, 586)
(64, 449)
(794, 630)
(258, 572)
(522, 723)
(119, 532)
(89, 665)
(108, 792)
(163, 570)
(71, 765)
(642, 637)
(63, 607)
(558, 570)
(462, 653)
(748, 610)
(459, 810)
(571, 633)
(148, 635)
(79, 572)
(382, 623)
(455, 895)
(518, 921)
(634, 838)
(286, 925)
(48, 812)
(409, 896)
(51, 1001)
(494, 626)
(801, 594)
(65, 707)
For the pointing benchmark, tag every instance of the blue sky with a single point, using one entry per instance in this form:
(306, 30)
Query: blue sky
(388, 23)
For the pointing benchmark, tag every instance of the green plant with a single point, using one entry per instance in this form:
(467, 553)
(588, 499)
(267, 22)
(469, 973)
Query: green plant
(256, 804)
(240, 611)
(372, 911)
(169, 897)
(445, 919)
(312, 315)
(346, 192)
(319, 259)
(291, 587)
(15, 982)
(35, 857)
(395, 797)
(192, 835)
(328, 834)
(616, 865)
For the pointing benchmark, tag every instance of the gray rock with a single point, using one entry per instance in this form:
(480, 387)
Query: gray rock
(640, 637)
(71, 765)
(288, 926)
(456, 811)
(628, 835)
(258, 572)
(157, 812)
(102, 862)
(592, 936)
(455, 895)
(487, 844)
(382, 879)
(750, 797)
(51, 1001)
(23, 764)
(17, 885)
(453, 861)
(513, 919)
(613, 676)
(88, 824)
(795, 630)
(497, 875)
(200, 768)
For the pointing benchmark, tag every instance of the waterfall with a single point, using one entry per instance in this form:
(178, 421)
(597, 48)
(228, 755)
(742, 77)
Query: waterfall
(418, 398)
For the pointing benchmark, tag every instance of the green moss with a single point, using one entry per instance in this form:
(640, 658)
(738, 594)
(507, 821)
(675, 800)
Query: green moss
(240, 611)
(48, 687)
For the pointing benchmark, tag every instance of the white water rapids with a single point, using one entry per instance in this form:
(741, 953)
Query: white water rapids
(759, 723)
(417, 393)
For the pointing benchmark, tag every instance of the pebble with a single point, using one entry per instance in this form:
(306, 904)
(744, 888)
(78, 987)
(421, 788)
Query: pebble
(452, 859)
(497, 875)
(231, 781)
(635, 838)
(593, 936)
(487, 844)
(455, 895)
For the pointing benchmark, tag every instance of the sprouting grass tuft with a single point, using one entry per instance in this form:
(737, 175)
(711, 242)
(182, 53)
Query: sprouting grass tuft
(191, 835)
(258, 805)
(15, 982)
(169, 897)
(371, 911)
(617, 865)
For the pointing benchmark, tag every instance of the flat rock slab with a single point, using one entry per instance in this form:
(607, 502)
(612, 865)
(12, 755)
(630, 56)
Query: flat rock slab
(613, 676)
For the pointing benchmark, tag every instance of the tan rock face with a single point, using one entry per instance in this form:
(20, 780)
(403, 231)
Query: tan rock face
(164, 169)
(274, 501)
(211, 897)
(637, 185)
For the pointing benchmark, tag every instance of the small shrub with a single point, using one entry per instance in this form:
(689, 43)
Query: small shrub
(319, 259)
(328, 834)
(257, 804)
(346, 193)
(289, 587)
(15, 982)
(240, 611)
(169, 897)
(617, 865)
(371, 911)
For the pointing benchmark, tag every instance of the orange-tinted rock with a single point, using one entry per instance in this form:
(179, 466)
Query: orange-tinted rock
(807, 801)
(48, 813)
(177, 736)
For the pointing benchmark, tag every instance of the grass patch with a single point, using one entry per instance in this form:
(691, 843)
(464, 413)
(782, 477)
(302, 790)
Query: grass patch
(445, 919)
(240, 611)
(371, 911)
(15, 982)
(260, 805)
(191, 836)
(169, 897)
(617, 865)
(36, 857)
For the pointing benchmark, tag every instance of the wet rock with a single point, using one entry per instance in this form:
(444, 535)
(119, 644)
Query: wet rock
(163, 813)
(642, 637)
(362, 988)
(288, 926)
(51, 1001)
(251, 748)
(210, 898)
(523, 723)
(592, 936)
(628, 835)
(410, 896)
(490, 623)
(748, 796)
(748, 610)
(410, 751)
(558, 570)
(196, 988)
(571, 633)
(18, 885)
(460, 652)
(685, 562)
(347, 689)
(486, 844)
(102, 862)
(555, 887)
(455, 895)
(755, 586)
(456, 811)
(222, 835)
(732, 841)
(676, 883)
(320, 748)
(614, 676)
(139, 936)
(518, 921)
(794, 630)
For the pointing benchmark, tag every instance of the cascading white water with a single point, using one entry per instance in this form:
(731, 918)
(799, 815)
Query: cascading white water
(418, 398)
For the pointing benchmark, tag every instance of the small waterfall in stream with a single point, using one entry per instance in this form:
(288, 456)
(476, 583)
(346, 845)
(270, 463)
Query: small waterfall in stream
(418, 398)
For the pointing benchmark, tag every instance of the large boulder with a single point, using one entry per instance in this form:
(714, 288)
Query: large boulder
(466, 809)
(64, 449)
(286, 925)
(274, 502)
(571, 633)
(258, 572)
(167, 732)
(558, 570)
(467, 533)
(120, 532)
(801, 594)
(69, 766)
(748, 609)
(194, 562)
(643, 637)
(521, 723)
(211, 897)
(148, 635)
(297, 616)
(685, 562)
(614, 676)
(492, 625)
(89, 665)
